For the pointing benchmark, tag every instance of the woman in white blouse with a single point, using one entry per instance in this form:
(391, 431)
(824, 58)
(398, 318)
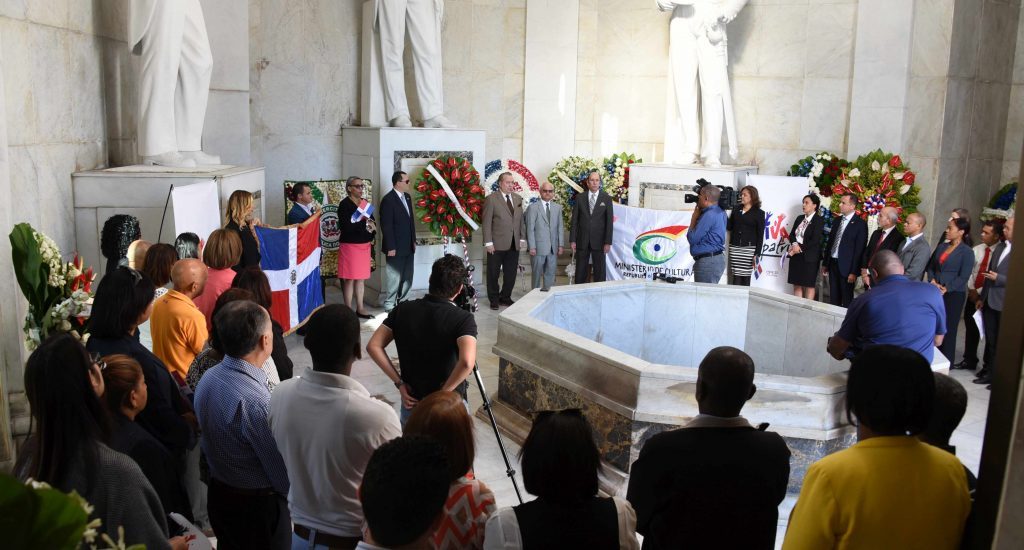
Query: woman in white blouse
(805, 248)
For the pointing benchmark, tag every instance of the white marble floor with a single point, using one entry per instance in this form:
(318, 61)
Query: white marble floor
(489, 464)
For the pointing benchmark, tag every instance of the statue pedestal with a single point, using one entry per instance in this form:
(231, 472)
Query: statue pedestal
(663, 186)
(376, 153)
(142, 191)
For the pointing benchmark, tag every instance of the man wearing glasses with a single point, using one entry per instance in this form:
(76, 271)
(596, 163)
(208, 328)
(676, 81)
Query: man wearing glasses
(544, 237)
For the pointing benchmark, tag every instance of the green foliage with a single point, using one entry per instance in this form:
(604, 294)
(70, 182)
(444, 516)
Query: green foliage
(39, 518)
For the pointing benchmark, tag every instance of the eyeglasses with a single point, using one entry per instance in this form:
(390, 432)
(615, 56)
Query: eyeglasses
(97, 360)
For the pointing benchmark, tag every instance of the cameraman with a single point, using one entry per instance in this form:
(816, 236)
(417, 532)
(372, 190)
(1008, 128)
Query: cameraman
(436, 339)
(707, 236)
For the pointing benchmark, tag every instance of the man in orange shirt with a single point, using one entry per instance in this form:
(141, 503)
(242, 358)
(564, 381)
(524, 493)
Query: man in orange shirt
(178, 327)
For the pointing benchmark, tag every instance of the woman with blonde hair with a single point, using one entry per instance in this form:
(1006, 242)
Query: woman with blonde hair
(239, 219)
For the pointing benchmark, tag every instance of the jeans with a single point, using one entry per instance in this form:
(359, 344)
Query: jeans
(709, 269)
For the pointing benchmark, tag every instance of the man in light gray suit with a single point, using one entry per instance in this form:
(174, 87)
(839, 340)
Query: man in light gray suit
(544, 239)
(915, 251)
(990, 303)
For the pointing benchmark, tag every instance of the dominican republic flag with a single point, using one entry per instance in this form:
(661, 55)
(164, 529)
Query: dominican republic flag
(291, 260)
(365, 210)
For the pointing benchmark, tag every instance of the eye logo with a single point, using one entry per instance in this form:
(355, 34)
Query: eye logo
(657, 246)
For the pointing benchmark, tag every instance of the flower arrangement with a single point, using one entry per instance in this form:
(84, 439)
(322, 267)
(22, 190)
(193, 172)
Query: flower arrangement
(617, 168)
(1003, 203)
(525, 182)
(436, 209)
(59, 294)
(822, 171)
(574, 169)
(878, 179)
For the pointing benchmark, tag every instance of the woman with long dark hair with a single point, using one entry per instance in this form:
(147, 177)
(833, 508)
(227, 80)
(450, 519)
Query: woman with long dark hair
(746, 235)
(949, 269)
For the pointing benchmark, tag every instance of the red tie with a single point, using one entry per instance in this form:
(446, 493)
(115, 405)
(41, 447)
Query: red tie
(878, 245)
(979, 281)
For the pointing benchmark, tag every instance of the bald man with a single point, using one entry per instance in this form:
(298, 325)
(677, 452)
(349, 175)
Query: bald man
(896, 311)
(178, 327)
(691, 487)
(915, 250)
(886, 237)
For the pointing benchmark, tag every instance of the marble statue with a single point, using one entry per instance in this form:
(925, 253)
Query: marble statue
(422, 20)
(174, 80)
(698, 60)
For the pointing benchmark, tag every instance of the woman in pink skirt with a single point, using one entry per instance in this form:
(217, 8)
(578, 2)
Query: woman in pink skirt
(354, 249)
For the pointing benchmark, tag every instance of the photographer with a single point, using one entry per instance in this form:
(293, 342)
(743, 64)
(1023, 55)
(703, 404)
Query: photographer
(436, 340)
(707, 236)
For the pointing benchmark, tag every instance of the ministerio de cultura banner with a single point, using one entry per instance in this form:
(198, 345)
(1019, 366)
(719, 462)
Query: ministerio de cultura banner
(647, 242)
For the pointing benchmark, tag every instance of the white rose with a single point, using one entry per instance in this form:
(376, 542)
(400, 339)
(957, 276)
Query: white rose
(875, 166)
(899, 175)
(885, 168)
(855, 173)
(817, 169)
(904, 189)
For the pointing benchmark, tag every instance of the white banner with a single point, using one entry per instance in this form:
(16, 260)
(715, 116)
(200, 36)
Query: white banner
(196, 209)
(649, 242)
(780, 199)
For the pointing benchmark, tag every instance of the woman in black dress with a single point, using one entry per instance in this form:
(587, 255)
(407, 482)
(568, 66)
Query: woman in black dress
(239, 219)
(805, 248)
(354, 247)
(746, 226)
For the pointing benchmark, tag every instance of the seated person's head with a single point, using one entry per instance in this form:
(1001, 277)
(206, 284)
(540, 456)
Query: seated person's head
(137, 254)
(948, 410)
(447, 276)
(559, 457)
(225, 298)
(123, 300)
(244, 332)
(159, 260)
(254, 280)
(403, 492)
(332, 338)
(725, 381)
(125, 390)
(223, 250)
(442, 415)
(187, 246)
(889, 391)
(885, 263)
(189, 277)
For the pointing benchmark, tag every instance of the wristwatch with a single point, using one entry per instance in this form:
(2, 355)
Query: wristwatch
(399, 384)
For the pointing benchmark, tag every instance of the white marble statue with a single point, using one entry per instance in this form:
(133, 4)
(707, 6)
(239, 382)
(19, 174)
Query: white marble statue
(422, 19)
(698, 55)
(174, 80)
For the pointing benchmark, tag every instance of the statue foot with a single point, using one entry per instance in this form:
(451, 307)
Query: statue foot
(171, 159)
(688, 159)
(400, 121)
(713, 162)
(440, 121)
(201, 158)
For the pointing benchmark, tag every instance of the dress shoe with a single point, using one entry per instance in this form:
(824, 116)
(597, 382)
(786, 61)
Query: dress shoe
(400, 121)
(983, 380)
(440, 121)
(963, 365)
(506, 301)
(201, 158)
(494, 306)
(172, 159)
(364, 315)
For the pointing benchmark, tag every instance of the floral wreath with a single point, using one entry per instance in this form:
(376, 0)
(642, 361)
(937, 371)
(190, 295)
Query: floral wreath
(822, 171)
(575, 169)
(617, 168)
(1003, 203)
(525, 183)
(878, 179)
(435, 208)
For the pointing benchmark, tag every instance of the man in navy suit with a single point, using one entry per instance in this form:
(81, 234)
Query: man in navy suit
(303, 208)
(844, 252)
(399, 234)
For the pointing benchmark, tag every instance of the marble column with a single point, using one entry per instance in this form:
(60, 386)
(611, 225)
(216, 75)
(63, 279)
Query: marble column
(10, 356)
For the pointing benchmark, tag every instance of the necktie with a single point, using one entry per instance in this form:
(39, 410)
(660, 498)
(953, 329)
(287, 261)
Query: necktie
(839, 236)
(405, 204)
(593, 201)
(979, 281)
(878, 245)
(508, 201)
(547, 212)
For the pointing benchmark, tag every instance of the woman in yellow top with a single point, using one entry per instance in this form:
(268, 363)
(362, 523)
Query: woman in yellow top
(889, 490)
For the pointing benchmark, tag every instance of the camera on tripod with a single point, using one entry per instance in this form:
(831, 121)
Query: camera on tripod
(464, 299)
(728, 199)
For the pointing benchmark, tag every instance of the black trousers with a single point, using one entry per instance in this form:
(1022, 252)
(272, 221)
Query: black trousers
(586, 258)
(954, 302)
(840, 292)
(990, 318)
(250, 520)
(506, 262)
(972, 337)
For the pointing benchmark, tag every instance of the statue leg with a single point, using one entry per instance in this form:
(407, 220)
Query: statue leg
(713, 80)
(424, 24)
(193, 80)
(391, 17)
(158, 78)
(683, 61)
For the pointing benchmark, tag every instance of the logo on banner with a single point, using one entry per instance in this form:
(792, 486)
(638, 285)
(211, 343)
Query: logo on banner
(330, 232)
(657, 246)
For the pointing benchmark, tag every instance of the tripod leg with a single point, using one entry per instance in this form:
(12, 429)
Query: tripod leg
(494, 425)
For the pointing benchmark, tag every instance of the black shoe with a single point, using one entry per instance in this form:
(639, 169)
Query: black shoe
(364, 315)
(545, 289)
(983, 380)
(494, 306)
(506, 301)
(964, 365)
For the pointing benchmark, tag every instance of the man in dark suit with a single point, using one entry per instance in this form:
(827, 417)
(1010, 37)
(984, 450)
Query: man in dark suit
(590, 231)
(303, 208)
(503, 229)
(398, 232)
(844, 251)
(886, 237)
(718, 481)
(993, 295)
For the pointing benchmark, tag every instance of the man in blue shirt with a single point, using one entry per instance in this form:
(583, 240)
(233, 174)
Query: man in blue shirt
(248, 480)
(895, 311)
(707, 236)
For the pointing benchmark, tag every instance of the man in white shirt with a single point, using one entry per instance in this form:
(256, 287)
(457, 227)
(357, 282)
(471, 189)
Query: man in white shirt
(990, 237)
(544, 236)
(327, 426)
(915, 251)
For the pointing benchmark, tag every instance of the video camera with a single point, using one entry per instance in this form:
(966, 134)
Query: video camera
(465, 297)
(728, 200)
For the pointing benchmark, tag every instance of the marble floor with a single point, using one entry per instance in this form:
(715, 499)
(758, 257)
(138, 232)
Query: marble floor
(489, 464)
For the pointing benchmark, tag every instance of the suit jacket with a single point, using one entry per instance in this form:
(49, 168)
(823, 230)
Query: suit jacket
(994, 292)
(915, 256)
(891, 242)
(851, 248)
(398, 230)
(812, 238)
(591, 231)
(297, 214)
(502, 228)
(544, 232)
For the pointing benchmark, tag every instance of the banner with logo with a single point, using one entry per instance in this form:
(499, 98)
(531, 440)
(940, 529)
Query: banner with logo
(648, 242)
(327, 194)
(781, 197)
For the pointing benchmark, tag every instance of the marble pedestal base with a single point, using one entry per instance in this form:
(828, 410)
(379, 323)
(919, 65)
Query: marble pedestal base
(662, 186)
(377, 153)
(142, 192)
